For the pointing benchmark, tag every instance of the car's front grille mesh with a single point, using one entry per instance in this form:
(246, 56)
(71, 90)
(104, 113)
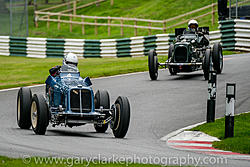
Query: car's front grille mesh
(75, 100)
(180, 55)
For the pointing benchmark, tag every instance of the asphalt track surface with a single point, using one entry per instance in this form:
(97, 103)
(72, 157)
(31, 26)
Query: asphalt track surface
(157, 108)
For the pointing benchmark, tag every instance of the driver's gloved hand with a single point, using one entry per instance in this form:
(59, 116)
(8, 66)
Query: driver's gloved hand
(199, 33)
(54, 70)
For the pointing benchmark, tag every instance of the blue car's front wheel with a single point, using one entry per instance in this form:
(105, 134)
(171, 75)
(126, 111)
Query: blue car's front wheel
(121, 119)
(39, 114)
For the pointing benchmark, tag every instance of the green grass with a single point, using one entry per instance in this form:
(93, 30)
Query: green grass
(226, 52)
(239, 143)
(22, 71)
(10, 162)
(150, 9)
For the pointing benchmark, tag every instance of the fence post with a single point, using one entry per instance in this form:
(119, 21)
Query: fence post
(83, 28)
(213, 13)
(149, 30)
(135, 28)
(230, 14)
(236, 9)
(96, 31)
(164, 27)
(48, 20)
(70, 24)
(74, 7)
(109, 21)
(122, 27)
(11, 16)
(36, 20)
(58, 24)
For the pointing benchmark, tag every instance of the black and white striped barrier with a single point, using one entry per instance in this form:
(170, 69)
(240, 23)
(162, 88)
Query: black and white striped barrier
(211, 96)
(229, 115)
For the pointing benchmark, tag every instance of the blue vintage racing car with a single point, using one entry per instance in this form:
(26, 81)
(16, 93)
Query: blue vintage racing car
(70, 101)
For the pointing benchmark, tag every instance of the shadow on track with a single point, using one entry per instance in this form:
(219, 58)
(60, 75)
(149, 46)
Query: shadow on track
(183, 76)
(187, 77)
(69, 133)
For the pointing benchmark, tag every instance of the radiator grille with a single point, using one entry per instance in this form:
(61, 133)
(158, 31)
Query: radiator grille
(181, 55)
(75, 100)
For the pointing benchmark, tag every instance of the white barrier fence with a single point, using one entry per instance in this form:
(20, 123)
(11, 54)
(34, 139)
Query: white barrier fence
(233, 34)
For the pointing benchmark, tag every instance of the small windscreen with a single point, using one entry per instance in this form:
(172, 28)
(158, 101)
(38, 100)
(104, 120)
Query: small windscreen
(188, 36)
(69, 68)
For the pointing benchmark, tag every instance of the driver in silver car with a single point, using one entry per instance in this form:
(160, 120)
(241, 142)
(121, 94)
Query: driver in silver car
(193, 29)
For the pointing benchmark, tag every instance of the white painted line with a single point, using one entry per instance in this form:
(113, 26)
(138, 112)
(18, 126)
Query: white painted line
(113, 76)
(119, 75)
(174, 133)
(189, 144)
(33, 86)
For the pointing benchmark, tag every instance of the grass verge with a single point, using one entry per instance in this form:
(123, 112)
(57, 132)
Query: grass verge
(66, 162)
(239, 143)
(23, 71)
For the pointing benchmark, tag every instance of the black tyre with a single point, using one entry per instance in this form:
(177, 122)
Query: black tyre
(206, 64)
(102, 99)
(120, 122)
(23, 108)
(39, 114)
(153, 64)
(217, 58)
(170, 51)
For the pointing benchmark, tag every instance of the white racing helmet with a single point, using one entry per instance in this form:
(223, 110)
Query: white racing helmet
(71, 59)
(193, 24)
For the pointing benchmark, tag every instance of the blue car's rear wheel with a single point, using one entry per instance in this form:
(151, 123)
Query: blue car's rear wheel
(23, 108)
(39, 114)
(121, 118)
(102, 99)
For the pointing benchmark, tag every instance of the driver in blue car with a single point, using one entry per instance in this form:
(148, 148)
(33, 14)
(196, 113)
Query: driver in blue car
(70, 59)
